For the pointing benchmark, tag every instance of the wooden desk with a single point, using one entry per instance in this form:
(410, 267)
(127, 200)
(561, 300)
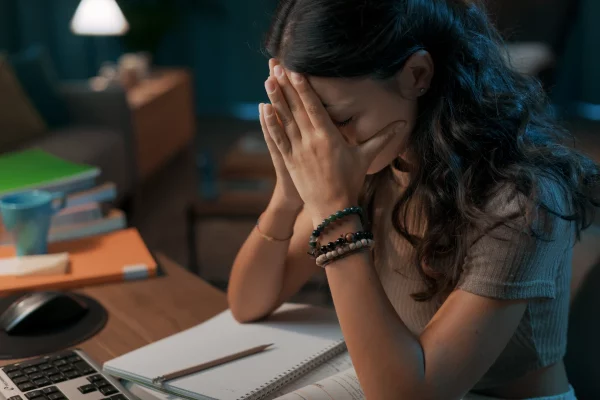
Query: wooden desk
(146, 311)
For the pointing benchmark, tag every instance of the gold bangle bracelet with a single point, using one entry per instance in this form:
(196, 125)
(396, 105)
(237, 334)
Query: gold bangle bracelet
(270, 238)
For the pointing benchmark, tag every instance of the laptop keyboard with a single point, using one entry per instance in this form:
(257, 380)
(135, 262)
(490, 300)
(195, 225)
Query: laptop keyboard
(62, 376)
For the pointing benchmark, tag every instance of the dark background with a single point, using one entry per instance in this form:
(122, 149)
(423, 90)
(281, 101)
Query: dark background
(220, 40)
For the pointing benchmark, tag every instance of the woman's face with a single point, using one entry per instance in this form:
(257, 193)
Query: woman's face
(363, 107)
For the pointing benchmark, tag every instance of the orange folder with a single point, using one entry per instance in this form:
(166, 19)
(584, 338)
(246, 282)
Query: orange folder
(114, 257)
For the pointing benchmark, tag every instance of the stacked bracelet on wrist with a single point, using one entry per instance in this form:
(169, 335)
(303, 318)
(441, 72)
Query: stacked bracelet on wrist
(345, 245)
(313, 242)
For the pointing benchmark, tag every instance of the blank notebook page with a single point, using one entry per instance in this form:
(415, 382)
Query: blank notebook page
(297, 332)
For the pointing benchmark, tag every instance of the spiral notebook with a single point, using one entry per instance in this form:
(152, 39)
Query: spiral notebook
(304, 337)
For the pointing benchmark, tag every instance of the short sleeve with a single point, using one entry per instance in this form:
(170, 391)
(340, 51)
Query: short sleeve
(508, 261)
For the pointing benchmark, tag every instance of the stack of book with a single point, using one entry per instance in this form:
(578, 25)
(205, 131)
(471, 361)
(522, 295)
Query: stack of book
(87, 212)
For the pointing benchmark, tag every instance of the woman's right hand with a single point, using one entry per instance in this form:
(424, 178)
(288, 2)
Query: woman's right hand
(285, 193)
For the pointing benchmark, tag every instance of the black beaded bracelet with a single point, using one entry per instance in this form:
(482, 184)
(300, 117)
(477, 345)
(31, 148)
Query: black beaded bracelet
(342, 241)
(313, 241)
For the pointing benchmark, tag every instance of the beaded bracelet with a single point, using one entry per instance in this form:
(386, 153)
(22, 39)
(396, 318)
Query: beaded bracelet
(313, 240)
(343, 240)
(360, 245)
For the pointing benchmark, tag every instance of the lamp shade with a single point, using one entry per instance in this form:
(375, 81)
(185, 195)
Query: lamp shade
(99, 18)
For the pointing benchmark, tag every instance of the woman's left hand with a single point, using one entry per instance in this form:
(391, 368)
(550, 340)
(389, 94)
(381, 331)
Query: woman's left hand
(327, 172)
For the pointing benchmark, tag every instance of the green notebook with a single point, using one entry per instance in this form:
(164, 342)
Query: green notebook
(37, 169)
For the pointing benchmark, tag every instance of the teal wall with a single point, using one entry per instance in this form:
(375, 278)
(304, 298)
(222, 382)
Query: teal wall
(579, 70)
(7, 40)
(225, 52)
(590, 51)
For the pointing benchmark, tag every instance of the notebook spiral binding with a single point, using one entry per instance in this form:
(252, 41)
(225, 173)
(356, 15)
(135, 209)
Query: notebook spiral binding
(296, 372)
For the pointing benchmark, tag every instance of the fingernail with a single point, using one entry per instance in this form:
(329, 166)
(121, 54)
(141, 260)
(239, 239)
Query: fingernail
(278, 71)
(270, 86)
(268, 109)
(296, 77)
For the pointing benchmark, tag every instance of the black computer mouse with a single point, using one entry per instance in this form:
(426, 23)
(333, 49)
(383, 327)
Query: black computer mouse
(41, 312)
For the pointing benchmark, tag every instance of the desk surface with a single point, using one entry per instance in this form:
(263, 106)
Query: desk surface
(146, 311)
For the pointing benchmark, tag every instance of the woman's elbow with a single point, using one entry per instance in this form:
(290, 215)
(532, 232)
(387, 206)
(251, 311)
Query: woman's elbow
(242, 313)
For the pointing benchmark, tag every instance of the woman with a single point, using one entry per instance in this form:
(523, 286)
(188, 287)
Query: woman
(408, 108)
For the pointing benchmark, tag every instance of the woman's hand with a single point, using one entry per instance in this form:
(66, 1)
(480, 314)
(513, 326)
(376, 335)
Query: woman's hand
(285, 194)
(327, 172)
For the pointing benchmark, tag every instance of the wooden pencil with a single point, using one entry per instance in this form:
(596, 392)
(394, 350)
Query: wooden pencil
(210, 364)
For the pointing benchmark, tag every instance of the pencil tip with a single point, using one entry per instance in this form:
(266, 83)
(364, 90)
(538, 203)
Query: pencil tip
(269, 345)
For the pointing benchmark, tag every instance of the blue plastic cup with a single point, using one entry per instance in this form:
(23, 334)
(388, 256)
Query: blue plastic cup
(27, 217)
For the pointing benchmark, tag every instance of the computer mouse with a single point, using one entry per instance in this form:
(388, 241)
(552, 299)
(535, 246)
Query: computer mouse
(41, 312)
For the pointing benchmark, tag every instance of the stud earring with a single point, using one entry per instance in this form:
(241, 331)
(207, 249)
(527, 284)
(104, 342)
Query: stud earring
(422, 91)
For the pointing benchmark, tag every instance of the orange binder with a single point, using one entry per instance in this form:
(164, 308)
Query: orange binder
(114, 257)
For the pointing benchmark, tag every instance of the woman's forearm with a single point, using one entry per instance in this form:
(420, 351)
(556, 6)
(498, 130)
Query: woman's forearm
(387, 357)
(258, 270)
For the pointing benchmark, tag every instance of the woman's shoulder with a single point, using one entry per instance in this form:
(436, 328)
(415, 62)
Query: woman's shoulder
(526, 243)
(543, 202)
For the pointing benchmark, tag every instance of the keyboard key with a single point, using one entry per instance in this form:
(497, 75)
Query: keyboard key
(35, 393)
(65, 368)
(17, 397)
(50, 390)
(73, 359)
(83, 366)
(95, 378)
(52, 371)
(42, 382)
(37, 375)
(44, 367)
(87, 389)
(57, 378)
(101, 382)
(118, 397)
(16, 374)
(72, 375)
(62, 355)
(25, 387)
(56, 396)
(87, 371)
(21, 379)
(30, 370)
(12, 368)
(58, 363)
(33, 363)
(108, 390)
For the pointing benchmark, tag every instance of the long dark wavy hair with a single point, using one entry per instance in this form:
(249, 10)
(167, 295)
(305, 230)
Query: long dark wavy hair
(480, 123)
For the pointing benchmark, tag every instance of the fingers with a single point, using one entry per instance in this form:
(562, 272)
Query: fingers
(315, 109)
(375, 145)
(272, 63)
(292, 98)
(276, 131)
(284, 113)
(263, 124)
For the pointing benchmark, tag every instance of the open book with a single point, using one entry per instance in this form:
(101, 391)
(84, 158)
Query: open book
(303, 338)
(333, 380)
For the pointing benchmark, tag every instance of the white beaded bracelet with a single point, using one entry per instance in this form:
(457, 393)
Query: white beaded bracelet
(325, 259)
